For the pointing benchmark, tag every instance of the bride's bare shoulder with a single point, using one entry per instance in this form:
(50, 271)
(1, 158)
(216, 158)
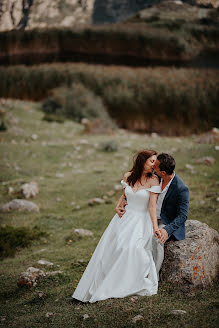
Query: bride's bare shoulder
(126, 175)
(154, 181)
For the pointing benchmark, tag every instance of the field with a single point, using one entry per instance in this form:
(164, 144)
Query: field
(70, 169)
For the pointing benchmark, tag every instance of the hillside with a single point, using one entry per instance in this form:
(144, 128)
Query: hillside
(70, 169)
(29, 14)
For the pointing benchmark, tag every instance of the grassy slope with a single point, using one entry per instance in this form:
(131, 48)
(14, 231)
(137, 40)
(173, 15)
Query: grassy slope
(23, 308)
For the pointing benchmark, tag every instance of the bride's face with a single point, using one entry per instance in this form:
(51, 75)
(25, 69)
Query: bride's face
(149, 164)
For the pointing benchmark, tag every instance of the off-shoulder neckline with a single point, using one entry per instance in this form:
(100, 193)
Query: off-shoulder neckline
(122, 181)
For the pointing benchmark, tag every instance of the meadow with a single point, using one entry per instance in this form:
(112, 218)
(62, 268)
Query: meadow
(71, 168)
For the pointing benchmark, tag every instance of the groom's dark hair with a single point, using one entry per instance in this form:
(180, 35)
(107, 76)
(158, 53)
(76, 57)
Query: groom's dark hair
(167, 163)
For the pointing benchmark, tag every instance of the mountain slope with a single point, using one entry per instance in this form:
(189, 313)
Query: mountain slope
(29, 14)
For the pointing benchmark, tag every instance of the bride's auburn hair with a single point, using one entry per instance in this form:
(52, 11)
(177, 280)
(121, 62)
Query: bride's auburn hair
(138, 166)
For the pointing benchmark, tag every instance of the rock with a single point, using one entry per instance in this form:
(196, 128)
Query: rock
(178, 312)
(49, 314)
(216, 147)
(85, 316)
(117, 187)
(34, 136)
(134, 298)
(111, 193)
(137, 318)
(77, 207)
(44, 262)
(84, 142)
(10, 190)
(59, 175)
(29, 189)
(83, 232)
(19, 205)
(210, 137)
(178, 2)
(53, 273)
(154, 135)
(192, 263)
(205, 160)
(96, 201)
(30, 277)
(191, 168)
(41, 294)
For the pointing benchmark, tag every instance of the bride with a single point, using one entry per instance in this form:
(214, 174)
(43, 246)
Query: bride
(122, 263)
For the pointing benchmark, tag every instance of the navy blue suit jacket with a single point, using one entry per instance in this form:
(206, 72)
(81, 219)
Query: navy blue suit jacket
(174, 211)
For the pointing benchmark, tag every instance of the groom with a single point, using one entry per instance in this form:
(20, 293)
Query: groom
(172, 206)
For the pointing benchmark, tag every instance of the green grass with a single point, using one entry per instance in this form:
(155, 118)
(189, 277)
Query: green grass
(88, 172)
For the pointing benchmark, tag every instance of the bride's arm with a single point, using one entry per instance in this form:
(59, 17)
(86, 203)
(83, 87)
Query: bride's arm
(120, 207)
(153, 213)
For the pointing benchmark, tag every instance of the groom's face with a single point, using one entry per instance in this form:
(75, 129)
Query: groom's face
(157, 168)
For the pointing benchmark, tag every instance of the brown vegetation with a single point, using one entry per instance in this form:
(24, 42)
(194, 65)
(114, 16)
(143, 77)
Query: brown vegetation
(165, 100)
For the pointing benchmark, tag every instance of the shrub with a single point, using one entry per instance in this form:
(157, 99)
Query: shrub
(163, 100)
(75, 102)
(108, 146)
(13, 238)
(3, 127)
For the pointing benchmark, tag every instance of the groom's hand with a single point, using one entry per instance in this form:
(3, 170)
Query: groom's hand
(164, 235)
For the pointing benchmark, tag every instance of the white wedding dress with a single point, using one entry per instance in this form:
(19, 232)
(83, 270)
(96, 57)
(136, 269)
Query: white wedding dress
(122, 263)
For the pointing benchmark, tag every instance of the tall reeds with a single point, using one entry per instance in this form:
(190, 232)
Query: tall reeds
(166, 100)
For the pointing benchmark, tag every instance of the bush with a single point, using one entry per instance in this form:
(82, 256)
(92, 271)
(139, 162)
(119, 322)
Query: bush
(164, 100)
(13, 238)
(3, 127)
(108, 146)
(75, 102)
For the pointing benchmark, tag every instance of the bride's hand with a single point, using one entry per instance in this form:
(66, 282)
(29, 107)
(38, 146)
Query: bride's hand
(120, 211)
(157, 233)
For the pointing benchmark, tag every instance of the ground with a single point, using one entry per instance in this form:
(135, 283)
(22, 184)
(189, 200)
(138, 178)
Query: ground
(69, 166)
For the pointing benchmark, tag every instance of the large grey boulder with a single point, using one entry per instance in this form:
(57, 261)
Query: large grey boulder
(19, 205)
(194, 262)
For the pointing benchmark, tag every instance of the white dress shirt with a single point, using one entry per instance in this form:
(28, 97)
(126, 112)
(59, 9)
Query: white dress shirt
(161, 196)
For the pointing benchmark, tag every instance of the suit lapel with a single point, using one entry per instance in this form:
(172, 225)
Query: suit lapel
(171, 189)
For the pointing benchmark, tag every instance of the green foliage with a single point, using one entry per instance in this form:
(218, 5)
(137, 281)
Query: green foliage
(3, 126)
(76, 102)
(12, 238)
(108, 146)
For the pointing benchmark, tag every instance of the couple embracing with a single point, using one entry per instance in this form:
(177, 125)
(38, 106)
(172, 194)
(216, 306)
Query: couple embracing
(152, 210)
